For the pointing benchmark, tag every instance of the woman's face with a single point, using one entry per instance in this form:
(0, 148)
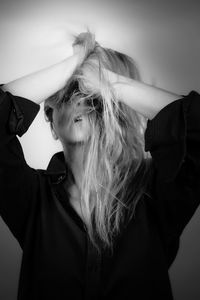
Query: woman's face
(71, 125)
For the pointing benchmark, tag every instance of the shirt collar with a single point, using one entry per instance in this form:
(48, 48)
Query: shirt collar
(57, 168)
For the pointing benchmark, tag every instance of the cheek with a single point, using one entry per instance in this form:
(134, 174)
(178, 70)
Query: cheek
(81, 128)
(62, 120)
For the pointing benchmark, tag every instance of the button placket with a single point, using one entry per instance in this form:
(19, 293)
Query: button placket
(93, 269)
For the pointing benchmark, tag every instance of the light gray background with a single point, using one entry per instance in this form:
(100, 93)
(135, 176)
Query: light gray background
(162, 36)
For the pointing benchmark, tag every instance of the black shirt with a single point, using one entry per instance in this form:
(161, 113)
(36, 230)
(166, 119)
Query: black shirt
(59, 262)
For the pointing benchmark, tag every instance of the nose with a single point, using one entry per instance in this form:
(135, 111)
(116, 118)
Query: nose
(80, 107)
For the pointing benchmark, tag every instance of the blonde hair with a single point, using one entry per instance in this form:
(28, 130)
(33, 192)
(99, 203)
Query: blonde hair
(115, 173)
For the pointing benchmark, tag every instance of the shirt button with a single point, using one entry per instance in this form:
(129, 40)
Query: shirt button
(60, 178)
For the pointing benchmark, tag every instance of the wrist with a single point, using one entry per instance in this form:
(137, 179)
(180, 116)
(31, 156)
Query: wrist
(69, 66)
(118, 82)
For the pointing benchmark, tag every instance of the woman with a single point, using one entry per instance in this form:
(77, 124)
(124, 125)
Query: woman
(104, 220)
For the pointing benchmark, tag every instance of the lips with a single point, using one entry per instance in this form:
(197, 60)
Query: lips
(78, 118)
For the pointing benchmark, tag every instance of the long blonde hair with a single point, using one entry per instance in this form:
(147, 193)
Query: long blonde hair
(115, 168)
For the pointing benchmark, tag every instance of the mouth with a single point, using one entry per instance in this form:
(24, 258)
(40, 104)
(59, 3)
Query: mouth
(77, 119)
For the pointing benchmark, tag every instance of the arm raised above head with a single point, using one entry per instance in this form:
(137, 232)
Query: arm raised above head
(19, 182)
(144, 98)
(41, 84)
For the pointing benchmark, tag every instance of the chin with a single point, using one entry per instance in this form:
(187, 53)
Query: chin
(77, 142)
(75, 138)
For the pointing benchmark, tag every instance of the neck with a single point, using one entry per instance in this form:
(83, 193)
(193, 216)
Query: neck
(74, 159)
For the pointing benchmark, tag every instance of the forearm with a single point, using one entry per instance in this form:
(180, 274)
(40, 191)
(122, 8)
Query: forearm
(145, 99)
(41, 84)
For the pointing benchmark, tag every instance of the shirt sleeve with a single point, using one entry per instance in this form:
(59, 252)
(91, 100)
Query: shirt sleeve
(173, 139)
(18, 181)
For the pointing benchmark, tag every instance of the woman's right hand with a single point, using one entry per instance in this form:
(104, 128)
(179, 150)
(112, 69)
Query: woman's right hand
(84, 45)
